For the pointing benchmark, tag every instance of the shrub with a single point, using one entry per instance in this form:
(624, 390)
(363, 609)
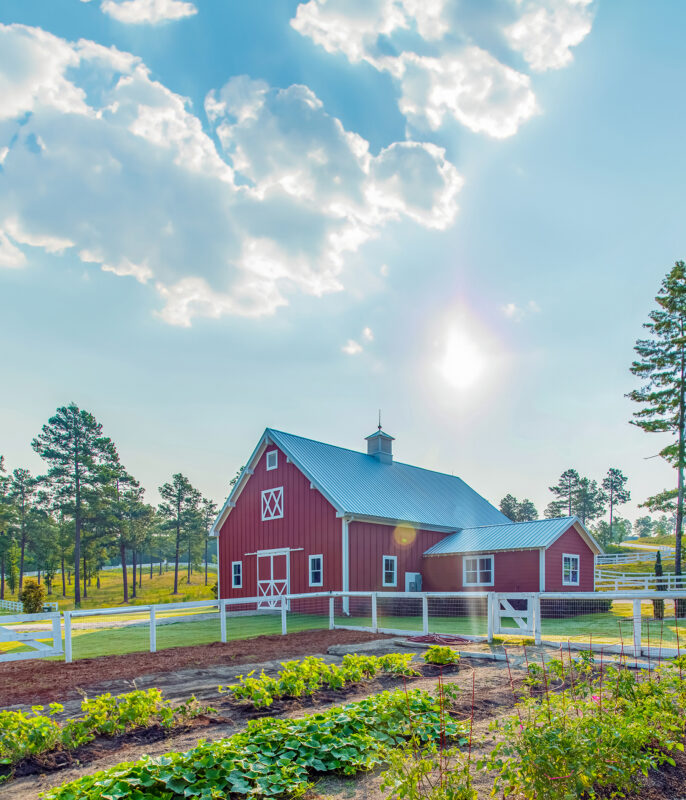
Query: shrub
(437, 654)
(33, 597)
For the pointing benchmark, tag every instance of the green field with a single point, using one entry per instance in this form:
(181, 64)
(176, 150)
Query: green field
(157, 589)
(612, 627)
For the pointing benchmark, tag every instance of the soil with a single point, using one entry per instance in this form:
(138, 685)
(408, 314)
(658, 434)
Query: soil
(48, 681)
(487, 694)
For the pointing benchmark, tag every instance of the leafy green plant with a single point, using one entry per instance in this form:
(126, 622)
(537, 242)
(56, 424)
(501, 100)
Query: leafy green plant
(23, 735)
(398, 664)
(274, 757)
(437, 654)
(428, 773)
(32, 596)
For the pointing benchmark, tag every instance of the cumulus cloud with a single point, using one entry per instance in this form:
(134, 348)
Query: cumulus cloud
(152, 12)
(430, 49)
(352, 348)
(548, 30)
(518, 313)
(100, 159)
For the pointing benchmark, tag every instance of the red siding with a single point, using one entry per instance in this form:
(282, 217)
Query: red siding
(370, 542)
(309, 521)
(514, 571)
(572, 543)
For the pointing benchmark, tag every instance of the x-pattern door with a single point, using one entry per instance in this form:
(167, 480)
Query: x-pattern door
(272, 503)
(272, 577)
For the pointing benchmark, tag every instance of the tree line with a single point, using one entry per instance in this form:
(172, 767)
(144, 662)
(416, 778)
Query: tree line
(86, 510)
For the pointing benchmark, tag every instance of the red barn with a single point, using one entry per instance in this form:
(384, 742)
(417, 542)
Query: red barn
(306, 516)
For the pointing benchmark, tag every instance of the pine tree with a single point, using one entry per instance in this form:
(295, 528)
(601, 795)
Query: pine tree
(526, 511)
(661, 365)
(565, 490)
(614, 485)
(509, 507)
(22, 489)
(589, 500)
(180, 503)
(7, 515)
(644, 526)
(76, 452)
(208, 509)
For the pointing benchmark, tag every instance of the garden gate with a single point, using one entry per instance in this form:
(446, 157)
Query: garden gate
(518, 607)
(31, 638)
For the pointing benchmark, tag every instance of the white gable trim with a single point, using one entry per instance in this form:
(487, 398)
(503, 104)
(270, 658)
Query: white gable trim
(267, 440)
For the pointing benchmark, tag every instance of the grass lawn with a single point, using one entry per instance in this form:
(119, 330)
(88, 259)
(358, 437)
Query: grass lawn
(155, 590)
(611, 627)
(642, 566)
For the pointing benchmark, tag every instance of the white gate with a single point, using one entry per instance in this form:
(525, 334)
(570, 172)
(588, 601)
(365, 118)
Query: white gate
(523, 617)
(31, 637)
(273, 577)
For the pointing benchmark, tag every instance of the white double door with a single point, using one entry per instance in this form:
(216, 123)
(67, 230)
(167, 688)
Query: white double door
(273, 577)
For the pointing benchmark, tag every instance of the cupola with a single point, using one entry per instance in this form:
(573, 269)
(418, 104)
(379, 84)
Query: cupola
(380, 445)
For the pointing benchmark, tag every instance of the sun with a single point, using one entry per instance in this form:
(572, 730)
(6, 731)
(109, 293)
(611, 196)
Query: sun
(462, 363)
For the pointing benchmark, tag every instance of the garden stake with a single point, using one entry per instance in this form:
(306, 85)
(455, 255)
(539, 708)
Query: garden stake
(545, 684)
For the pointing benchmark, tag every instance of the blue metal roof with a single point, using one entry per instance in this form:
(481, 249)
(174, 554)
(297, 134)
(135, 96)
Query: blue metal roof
(361, 485)
(510, 536)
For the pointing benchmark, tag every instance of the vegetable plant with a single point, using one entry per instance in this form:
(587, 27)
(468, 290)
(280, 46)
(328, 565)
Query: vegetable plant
(438, 654)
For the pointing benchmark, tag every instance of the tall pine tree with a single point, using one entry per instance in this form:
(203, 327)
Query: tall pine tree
(76, 452)
(565, 491)
(179, 508)
(661, 365)
(614, 485)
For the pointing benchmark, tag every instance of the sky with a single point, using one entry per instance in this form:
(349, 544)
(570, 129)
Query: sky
(218, 216)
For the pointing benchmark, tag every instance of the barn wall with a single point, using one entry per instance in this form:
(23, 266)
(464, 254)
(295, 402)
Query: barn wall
(370, 542)
(570, 542)
(514, 571)
(309, 522)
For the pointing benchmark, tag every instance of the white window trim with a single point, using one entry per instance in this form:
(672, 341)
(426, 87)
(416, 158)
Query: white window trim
(275, 465)
(235, 585)
(464, 569)
(321, 570)
(395, 570)
(578, 569)
(272, 492)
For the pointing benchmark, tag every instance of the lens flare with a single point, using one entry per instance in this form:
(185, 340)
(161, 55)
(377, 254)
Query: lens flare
(462, 363)
(404, 535)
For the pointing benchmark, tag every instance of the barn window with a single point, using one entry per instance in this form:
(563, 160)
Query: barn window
(272, 459)
(390, 571)
(570, 570)
(236, 574)
(477, 571)
(272, 504)
(316, 570)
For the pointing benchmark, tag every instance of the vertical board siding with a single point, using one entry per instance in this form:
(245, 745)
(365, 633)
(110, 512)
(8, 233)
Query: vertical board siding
(514, 571)
(370, 542)
(574, 544)
(309, 522)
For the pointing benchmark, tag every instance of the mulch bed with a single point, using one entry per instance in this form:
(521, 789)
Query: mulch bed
(33, 682)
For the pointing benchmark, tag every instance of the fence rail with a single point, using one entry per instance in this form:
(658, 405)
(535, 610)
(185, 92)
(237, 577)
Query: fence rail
(646, 581)
(608, 559)
(627, 619)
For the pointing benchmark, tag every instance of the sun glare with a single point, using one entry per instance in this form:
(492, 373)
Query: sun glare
(462, 363)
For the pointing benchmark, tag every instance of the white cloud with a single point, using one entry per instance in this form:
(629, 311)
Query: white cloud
(352, 348)
(518, 313)
(430, 48)
(115, 166)
(135, 12)
(548, 30)
(10, 255)
(368, 334)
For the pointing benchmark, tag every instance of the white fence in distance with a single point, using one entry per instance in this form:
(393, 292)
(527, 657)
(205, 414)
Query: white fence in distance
(18, 606)
(609, 559)
(645, 581)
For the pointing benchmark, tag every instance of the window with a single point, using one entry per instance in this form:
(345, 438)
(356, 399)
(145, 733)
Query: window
(272, 459)
(272, 504)
(477, 571)
(570, 570)
(390, 571)
(236, 574)
(316, 570)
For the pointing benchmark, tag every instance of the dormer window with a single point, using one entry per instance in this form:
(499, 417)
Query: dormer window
(272, 459)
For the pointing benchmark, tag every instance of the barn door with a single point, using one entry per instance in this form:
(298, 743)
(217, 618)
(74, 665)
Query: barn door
(273, 577)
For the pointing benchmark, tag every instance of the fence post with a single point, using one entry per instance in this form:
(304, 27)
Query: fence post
(284, 622)
(637, 627)
(67, 637)
(375, 625)
(222, 619)
(425, 614)
(153, 630)
(536, 611)
(490, 613)
(332, 618)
